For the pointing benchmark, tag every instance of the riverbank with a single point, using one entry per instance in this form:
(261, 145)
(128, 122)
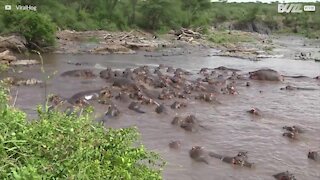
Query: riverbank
(228, 43)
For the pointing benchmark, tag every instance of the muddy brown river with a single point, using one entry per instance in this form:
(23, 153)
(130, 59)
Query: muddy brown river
(230, 128)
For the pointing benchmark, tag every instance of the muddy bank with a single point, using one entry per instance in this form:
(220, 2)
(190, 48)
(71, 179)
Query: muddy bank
(104, 42)
(250, 45)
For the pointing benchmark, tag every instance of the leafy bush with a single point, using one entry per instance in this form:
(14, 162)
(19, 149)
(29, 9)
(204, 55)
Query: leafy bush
(69, 147)
(37, 28)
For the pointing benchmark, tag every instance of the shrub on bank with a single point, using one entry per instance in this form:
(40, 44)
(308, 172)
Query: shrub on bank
(69, 147)
(37, 28)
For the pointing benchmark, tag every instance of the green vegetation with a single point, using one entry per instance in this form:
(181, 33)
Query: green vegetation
(155, 15)
(3, 67)
(222, 37)
(69, 147)
(36, 28)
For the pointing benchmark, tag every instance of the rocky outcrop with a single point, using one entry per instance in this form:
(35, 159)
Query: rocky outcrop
(13, 42)
(7, 57)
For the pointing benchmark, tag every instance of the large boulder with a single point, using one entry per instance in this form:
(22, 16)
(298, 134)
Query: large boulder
(13, 42)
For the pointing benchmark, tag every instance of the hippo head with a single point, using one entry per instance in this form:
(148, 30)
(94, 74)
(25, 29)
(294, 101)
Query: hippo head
(175, 144)
(176, 121)
(196, 151)
(313, 155)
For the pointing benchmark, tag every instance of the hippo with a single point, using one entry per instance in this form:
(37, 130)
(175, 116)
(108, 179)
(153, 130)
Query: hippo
(230, 89)
(170, 69)
(135, 106)
(295, 88)
(105, 93)
(117, 74)
(84, 95)
(123, 97)
(180, 71)
(290, 135)
(73, 110)
(297, 77)
(254, 111)
(293, 129)
(190, 123)
(165, 94)
(156, 70)
(123, 82)
(175, 144)
(161, 66)
(222, 68)
(73, 63)
(56, 99)
(106, 74)
(84, 73)
(127, 73)
(266, 75)
(176, 121)
(314, 155)
(240, 159)
(112, 111)
(160, 109)
(199, 154)
(207, 97)
(284, 176)
(178, 105)
(204, 71)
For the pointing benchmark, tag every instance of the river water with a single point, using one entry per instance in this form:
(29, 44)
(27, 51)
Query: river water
(231, 129)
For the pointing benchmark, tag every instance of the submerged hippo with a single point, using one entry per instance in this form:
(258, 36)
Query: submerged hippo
(294, 129)
(178, 105)
(254, 111)
(284, 176)
(161, 109)
(105, 96)
(175, 144)
(85, 73)
(135, 106)
(222, 68)
(123, 82)
(123, 97)
(84, 95)
(290, 135)
(176, 120)
(296, 88)
(199, 154)
(266, 75)
(207, 97)
(314, 155)
(190, 123)
(112, 111)
(106, 74)
(56, 100)
(240, 159)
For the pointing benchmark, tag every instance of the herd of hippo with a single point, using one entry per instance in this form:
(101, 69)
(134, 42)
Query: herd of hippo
(168, 89)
